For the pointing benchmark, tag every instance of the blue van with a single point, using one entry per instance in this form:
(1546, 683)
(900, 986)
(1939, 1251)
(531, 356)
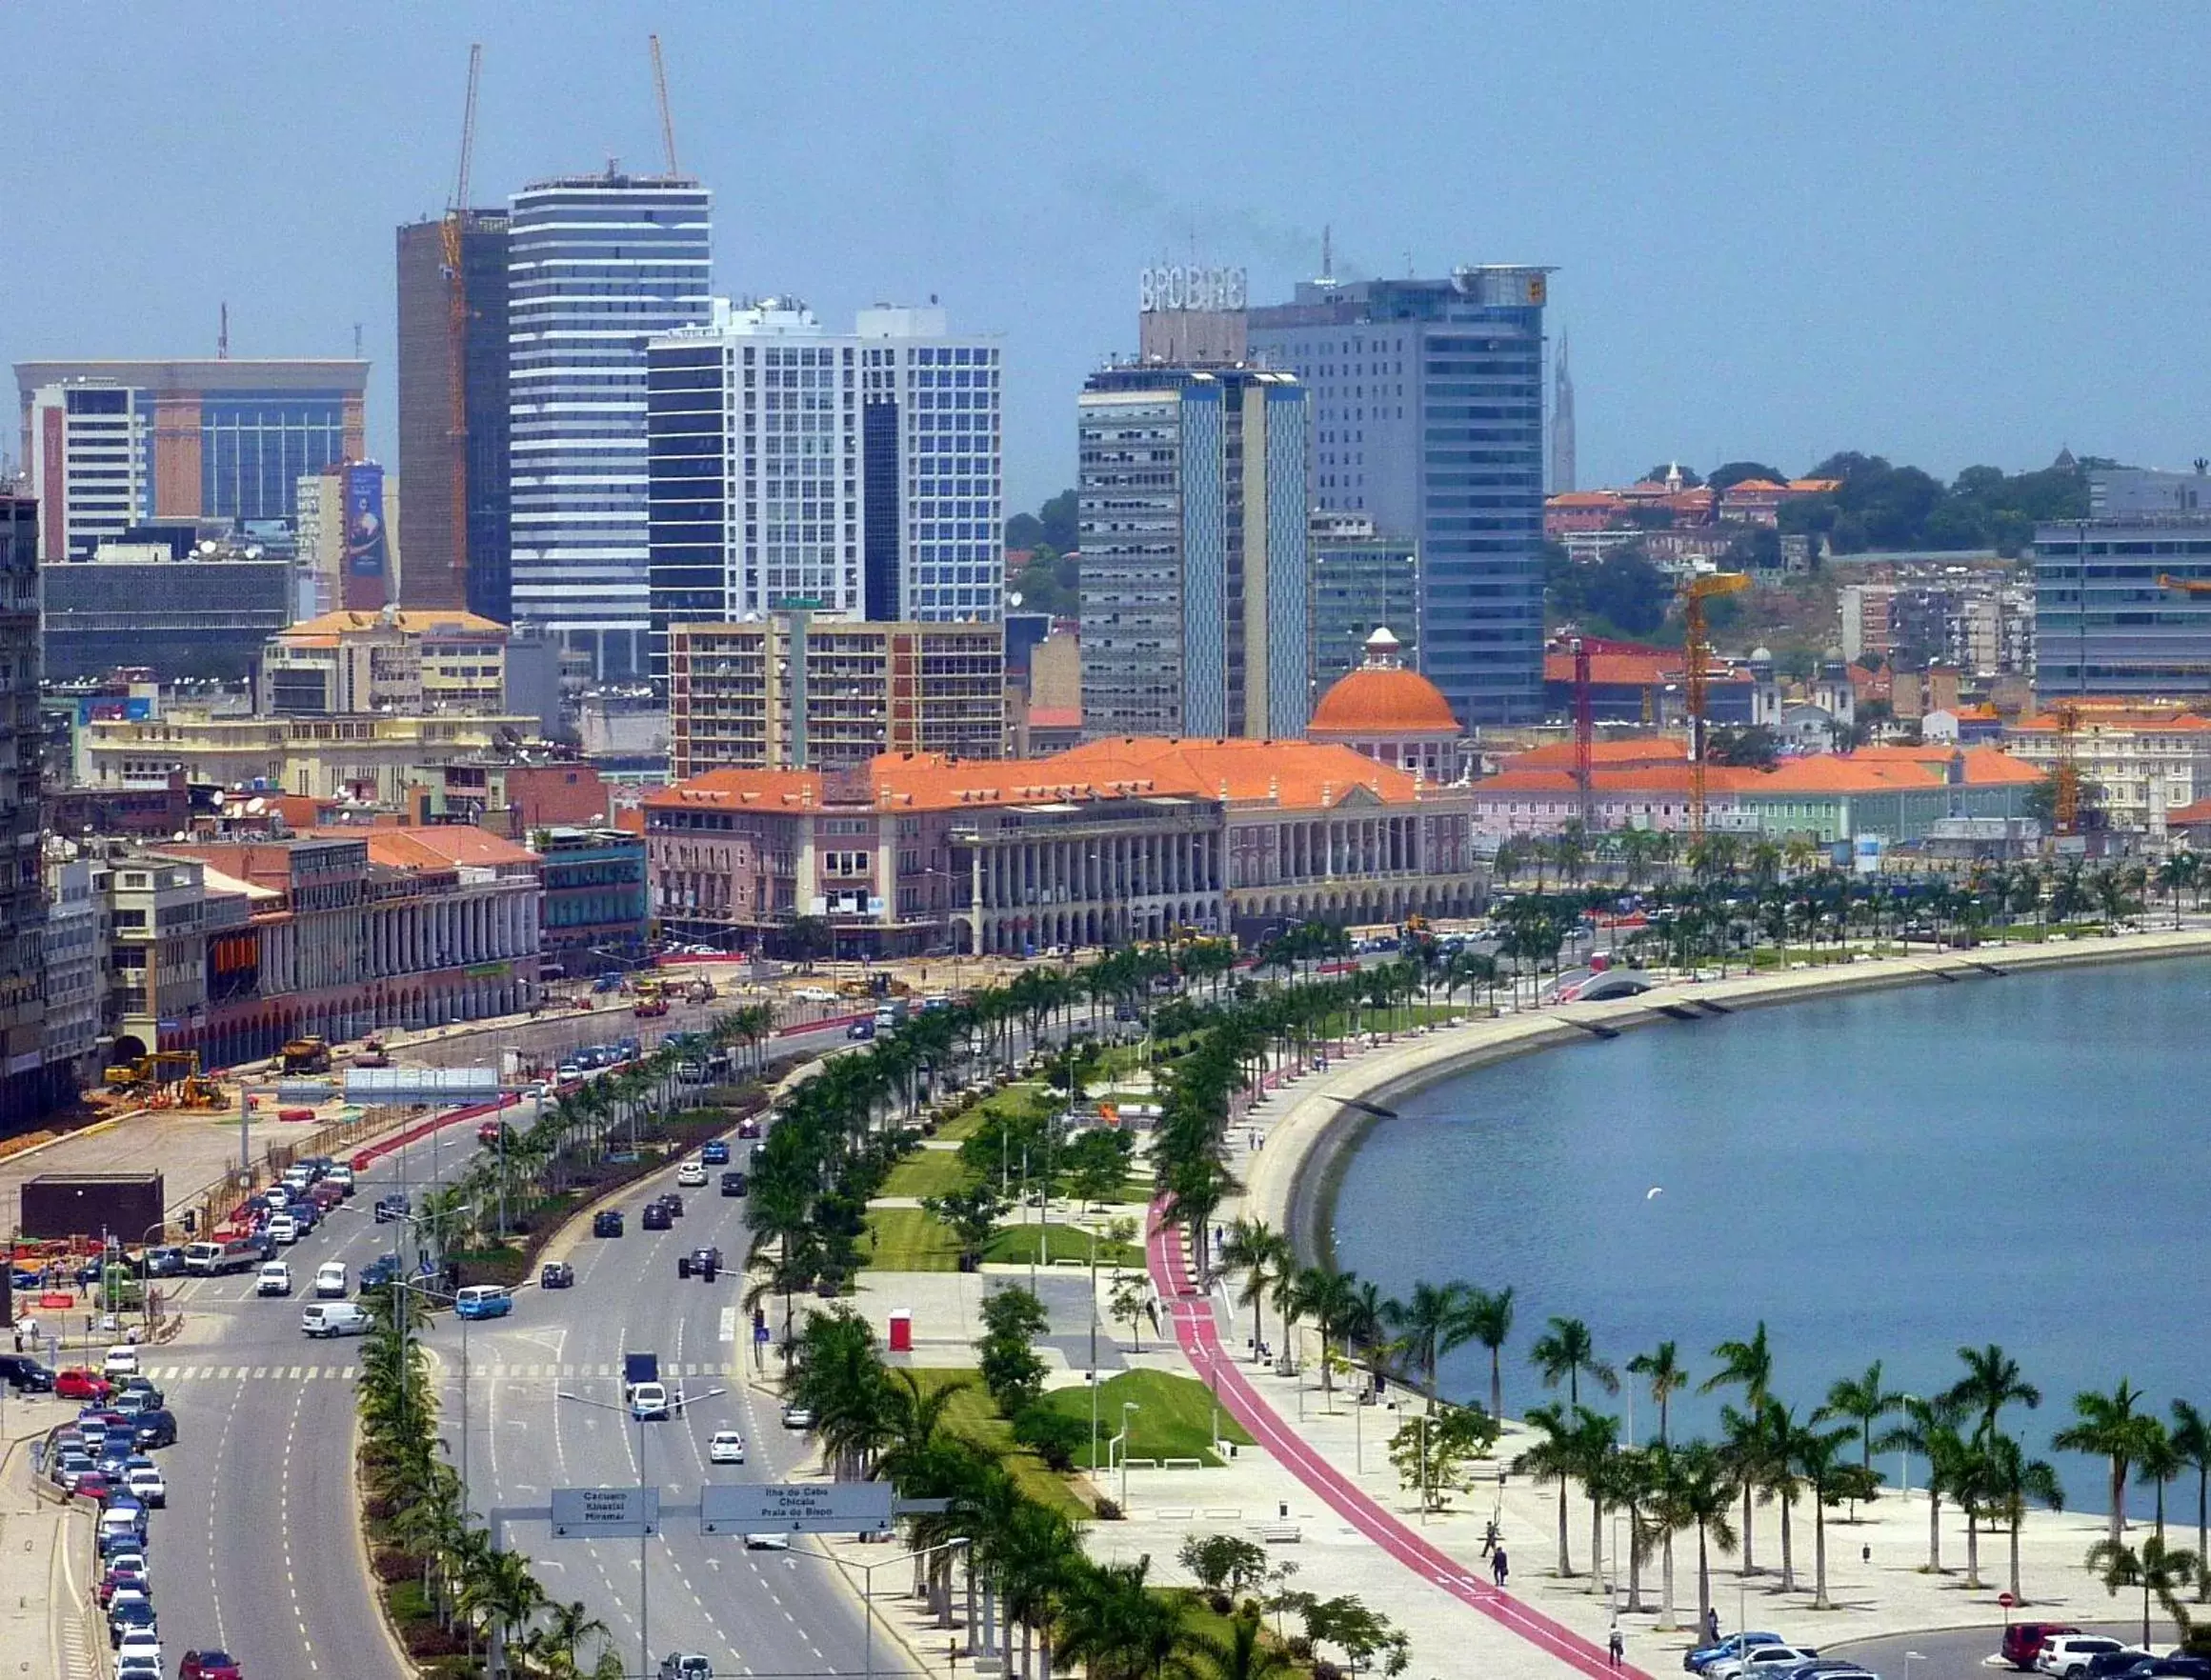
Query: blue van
(483, 1301)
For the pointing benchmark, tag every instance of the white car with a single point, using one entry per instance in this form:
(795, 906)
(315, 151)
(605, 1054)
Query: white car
(767, 1542)
(692, 1175)
(120, 1362)
(814, 994)
(649, 1400)
(728, 1447)
(342, 1177)
(284, 1230)
(1771, 1657)
(2066, 1655)
(275, 1279)
(139, 1642)
(147, 1486)
(329, 1280)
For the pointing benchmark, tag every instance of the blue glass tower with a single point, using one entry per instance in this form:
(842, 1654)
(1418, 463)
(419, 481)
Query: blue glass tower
(1428, 418)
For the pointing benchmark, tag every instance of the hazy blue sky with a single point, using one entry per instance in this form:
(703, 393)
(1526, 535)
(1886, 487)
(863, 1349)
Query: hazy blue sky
(1951, 232)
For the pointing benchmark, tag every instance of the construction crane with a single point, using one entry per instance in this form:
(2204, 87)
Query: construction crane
(456, 329)
(660, 91)
(1696, 655)
(1584, 736)
(2065, 805)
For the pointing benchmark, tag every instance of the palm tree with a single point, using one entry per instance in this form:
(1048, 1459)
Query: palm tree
(1116, 1626)
(2109, 1427)
(1486, 1316)
(1555, 1458)
(1930, 1429)
(2013, 1479)
(568, 1625)
(1663, 1370)
(1749, 1366)
(2156, 1462)
(2192, 1438)
(1261, 1253)
(1332, 1298)
(1992, 1380)
(1241, 1656)
(1567, 1349)
(1864, 1402)
(1830, 1479)
(2160, 1570)
(1427, 1322)
(1779, 1437)
(1700, 1492)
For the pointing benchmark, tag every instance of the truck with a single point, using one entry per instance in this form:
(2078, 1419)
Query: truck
(121, 1205)
(891, 1012)
(652, 999)
(305, 1056)
(235, 1253)
(636, 1369)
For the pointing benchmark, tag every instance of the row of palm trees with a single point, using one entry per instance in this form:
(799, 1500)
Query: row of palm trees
(1766, 1454)
(419, 1521)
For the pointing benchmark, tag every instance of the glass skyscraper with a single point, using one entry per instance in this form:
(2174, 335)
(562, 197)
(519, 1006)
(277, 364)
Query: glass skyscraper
(596, 265)
(1428, 418)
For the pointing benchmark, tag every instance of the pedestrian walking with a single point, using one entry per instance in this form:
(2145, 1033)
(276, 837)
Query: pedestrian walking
(1498, 1568)
(1614, 1645)
(1711, 1626)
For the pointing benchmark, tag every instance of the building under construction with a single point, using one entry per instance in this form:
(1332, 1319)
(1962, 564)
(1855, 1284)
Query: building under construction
(443, 569)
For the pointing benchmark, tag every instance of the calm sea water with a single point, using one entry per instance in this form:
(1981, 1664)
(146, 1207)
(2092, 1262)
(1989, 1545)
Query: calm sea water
(2019, 1160)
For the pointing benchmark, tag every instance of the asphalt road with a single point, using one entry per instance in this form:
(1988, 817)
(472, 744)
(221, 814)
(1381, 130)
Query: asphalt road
(751, 1612)
(1969, 1654)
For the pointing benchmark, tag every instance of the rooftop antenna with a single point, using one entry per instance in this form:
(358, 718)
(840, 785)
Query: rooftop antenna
(223, 337)
(356, 341)
(1327, 254)
(660, 91)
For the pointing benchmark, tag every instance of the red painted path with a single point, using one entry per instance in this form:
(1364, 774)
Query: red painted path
(1199, 1332)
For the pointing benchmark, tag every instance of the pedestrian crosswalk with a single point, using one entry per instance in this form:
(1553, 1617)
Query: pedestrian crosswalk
(480, 1370)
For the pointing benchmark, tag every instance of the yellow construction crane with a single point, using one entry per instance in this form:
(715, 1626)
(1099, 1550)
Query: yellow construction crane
(660, 91)
(457, 394)
(1697, 653)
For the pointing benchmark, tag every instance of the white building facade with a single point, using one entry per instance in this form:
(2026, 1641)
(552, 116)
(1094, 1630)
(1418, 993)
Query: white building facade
(597, 264)
(91, 465)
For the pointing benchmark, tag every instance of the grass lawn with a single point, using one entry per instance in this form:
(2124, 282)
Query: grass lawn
(928, 1172)
(970, 1120)
(972, 1415)
(1200, 1618)
(1014, 1244)
(1175, 1419)
(906, 1239)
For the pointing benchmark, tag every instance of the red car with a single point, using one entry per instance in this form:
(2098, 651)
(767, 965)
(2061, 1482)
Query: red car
(93, 1485)
(748, 1129)
(115, 1580)
(77, 1384)
(490, 1131)
(2022, 1641)
(209, 1665)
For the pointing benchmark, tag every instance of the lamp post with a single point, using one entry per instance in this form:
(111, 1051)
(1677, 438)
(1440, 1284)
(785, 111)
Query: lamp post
(868, 1586)
(1127, 1407)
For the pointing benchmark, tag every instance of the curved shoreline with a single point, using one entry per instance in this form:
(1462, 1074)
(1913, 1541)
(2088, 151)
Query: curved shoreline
(1290, 1184)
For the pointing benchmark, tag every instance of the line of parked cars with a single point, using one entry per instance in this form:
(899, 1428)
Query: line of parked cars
(1761, 1656)
(2062, 1652)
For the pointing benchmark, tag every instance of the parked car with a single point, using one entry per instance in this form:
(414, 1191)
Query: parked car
(162, 1262)
(147, 1486)
(607, 1223)
(127, 1578)
(284, 1229)
(154, 1428)
(209, 1665)
(2122, 1661)
(142, 1645)
(2065, 1656)
(1761, 1661)
(26, 1375)
(2022, 1641)
(76, 1384)
(556, 1274)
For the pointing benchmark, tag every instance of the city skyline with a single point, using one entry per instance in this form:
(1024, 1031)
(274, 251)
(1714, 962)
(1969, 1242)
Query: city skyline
(1712, 306)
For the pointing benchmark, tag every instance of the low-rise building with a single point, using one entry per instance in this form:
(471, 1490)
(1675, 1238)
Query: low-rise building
(410, 661)
(2140, 763)
(205, 616)
(793, 690)
(596, 912)
(368, 758)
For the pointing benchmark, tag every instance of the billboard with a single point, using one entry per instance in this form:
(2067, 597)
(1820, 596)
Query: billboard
(368, 551)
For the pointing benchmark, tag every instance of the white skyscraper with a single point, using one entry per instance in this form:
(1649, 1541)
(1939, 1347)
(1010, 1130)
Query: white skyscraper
(597, 264)
(854, 472)
(92, 462)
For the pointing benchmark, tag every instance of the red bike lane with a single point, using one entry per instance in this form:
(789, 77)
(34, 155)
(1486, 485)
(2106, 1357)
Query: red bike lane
(1199, 1335)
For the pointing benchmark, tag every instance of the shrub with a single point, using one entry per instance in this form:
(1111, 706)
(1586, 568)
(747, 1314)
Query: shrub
(1053, 1436)
(1106, 1510)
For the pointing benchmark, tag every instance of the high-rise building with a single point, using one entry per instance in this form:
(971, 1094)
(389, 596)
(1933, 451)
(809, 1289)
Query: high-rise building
(1561, 424)
(91, 461)
(596, 266)
(440, 351)
(219, 439)
(2106, 623)
(1428, 417)
(1192, 494)
(856, 473)
(27, 1085)
(788, 691)
(1359, 581)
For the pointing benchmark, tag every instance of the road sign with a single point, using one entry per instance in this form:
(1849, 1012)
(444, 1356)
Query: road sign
(2005, 1600)
(775, 1508)
(760, 1335)
(605, 1513)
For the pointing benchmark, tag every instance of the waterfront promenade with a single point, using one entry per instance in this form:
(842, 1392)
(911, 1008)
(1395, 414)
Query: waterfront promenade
(1335, 1453)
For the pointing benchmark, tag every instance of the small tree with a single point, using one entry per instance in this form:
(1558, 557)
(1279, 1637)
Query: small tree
(1098, 1163)
(1360, 1633)
(1223, 1563)
(1127, 1304)
(973, 1213)
(1013, 1319)
(1431, 1452)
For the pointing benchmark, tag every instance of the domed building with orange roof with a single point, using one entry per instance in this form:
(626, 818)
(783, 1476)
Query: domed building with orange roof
(1392, 716)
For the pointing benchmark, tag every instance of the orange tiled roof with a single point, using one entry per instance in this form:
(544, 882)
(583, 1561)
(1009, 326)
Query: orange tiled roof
(2092, 717)
(442, 846)
(1652, 749)
(1633, 670)
(1669, 778)
(414, 620)
(1815, 487)
(2189, 815)
(772, 788)
(1605, 499)
(1871, 769)
(1754, 486)
(1055, 717)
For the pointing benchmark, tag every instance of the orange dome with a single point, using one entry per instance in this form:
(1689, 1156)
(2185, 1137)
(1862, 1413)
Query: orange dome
(1375, 700)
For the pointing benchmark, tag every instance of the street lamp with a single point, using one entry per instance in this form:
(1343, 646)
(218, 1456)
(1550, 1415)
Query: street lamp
(868, 1587)
(1127, 1407)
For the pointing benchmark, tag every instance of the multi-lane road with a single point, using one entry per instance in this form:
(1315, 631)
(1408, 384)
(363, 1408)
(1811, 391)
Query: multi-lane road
(258, 1551)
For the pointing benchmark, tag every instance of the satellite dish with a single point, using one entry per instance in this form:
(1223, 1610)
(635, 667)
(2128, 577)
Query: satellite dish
(1012, 597)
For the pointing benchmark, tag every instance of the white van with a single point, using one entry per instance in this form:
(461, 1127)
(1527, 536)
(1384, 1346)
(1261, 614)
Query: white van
(334, 1318)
